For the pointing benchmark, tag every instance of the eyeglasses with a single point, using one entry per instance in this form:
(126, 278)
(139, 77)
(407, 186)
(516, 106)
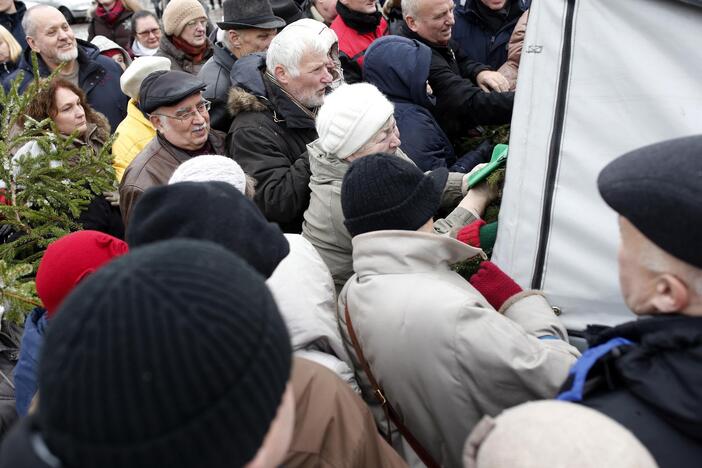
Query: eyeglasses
(149, 32)
(183, 115)
(196, 22)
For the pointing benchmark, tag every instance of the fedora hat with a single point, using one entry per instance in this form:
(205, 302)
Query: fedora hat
(286, 9)
(249, 14)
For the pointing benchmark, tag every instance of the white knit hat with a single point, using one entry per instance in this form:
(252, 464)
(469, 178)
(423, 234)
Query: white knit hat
(141, 67)
(350, 116)
(211, 168)
(178, 13)
(554, 434)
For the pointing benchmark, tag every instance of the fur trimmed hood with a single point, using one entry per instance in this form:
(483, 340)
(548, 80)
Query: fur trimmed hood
(241, 100)
(248, 89)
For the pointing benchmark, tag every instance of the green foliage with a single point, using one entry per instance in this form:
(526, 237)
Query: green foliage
(46, 191)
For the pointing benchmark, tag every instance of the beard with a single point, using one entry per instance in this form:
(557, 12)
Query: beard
(311, 100)
(69, 55)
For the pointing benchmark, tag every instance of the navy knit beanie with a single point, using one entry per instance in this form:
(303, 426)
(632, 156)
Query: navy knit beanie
(174, 355)
(382, 192)
(214, 211)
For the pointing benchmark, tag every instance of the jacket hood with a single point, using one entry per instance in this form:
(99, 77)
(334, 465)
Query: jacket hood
(325, 167)
(399, 68)
(246, 77)
(663, 369)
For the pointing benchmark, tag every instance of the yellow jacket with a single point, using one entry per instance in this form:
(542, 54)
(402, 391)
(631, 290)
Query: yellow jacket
(133, 134)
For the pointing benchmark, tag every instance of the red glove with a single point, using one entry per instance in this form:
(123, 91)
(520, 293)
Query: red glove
(494, 284)
(471, 234)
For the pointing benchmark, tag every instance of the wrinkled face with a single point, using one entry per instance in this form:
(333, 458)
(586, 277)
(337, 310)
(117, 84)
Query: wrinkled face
(70, 115)
(185, 125)
(434, 21)
(494, 4)
(4, 51)
(310, 86)
(387, 140)
(637, 282)
(248, 41)
(53, 39)
(194, 32)
(326, 8)
(148, 32)
(361, 6)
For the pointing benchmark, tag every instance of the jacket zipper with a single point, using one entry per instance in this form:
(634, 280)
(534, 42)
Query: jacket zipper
(554, 148)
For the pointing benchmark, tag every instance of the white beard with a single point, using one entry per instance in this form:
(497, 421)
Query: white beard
(68, 56)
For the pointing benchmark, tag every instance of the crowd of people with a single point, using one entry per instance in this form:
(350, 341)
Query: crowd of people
(271, 282)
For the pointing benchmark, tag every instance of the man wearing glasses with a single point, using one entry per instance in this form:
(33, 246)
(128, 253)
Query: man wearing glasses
(175, 106)
(185, 42)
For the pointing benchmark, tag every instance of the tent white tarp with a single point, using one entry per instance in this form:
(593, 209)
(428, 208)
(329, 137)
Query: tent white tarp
(597, 78)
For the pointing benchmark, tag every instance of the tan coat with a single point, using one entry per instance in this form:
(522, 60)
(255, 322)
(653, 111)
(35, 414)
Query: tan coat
(333, 426)
(444, 356)
(510, 68)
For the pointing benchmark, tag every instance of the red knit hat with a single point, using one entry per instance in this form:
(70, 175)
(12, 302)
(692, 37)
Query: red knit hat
(70, 259)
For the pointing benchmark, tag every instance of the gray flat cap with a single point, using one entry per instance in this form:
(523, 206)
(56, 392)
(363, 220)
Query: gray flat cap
(166, 88)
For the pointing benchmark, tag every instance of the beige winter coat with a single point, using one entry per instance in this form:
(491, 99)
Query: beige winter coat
(444, 356)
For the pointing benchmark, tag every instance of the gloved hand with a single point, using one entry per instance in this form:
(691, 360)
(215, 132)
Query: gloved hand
(494, 284)
(112, 197)
(479, 234)
(481, 154)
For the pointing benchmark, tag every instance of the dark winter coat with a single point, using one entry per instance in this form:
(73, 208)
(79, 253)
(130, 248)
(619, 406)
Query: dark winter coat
(646, 375)
(215, 74)
(269, 138)
(9, 351)
(6, 69)
(477, 39)
(120, 31)
(13, 23)
(98, 77)
(25, 374)
(460, 104)
(353, 45)
(400, 69)
(181, 61)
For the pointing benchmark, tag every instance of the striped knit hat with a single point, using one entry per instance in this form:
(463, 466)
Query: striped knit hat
(174, 355)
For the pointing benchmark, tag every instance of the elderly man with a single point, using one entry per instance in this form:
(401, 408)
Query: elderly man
(50, 36)
(646, 374)
(185, 40)
(173, 100)
(11, 14)
(460, 104)
(248, 27)
(274, 104)
(135, 131)
(320, 10)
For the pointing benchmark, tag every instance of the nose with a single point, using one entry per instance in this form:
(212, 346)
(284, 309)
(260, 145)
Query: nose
(327, 76)
(395, 142)
(80, 112)
(450, 19)
(199, 117)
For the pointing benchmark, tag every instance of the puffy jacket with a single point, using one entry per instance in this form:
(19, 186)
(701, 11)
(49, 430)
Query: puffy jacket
(25, 374)
(179, 59)
(268, 138)
(460, 104)
(399, 68)
(98, 77)
(133, 134)
(646, 375)
(154, 166)
(510, 68)
(120, 31)
(478, 40)
(450, 357)
(353, 45)
(13, 23)
(215, 74)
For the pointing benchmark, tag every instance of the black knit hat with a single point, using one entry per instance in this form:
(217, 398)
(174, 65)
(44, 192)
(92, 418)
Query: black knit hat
(658, 188)
(173, 355)
(382, 192)
(214, 211)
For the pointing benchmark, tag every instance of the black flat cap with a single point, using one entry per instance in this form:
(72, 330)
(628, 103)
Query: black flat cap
(658, 188)
(166, 88)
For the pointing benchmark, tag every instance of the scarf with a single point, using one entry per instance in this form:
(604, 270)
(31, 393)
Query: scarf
(140, 51)
(361, 22)
(196, 53)
(110, 16)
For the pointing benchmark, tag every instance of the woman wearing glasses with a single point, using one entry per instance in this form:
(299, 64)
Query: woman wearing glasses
(185, 42)
(147, 33)
(112, 19)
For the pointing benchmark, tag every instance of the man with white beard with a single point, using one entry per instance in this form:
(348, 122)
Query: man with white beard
(50, 36)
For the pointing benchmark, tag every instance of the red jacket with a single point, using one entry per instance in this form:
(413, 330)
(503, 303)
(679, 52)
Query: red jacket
(353, 43)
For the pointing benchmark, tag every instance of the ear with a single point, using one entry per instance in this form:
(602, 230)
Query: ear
(411, 23)
(234, 38)
(281, 74)
(671, 295)
(32, 44)
(156, 121)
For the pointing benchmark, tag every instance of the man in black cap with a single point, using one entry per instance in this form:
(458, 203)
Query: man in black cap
(173, 100)
(247, 27)
(646, 374)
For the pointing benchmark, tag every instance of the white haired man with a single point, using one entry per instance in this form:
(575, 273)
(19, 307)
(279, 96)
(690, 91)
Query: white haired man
(50, 36)
(274, 105)
(645, 374)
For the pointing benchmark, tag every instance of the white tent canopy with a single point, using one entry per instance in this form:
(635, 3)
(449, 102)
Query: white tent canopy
(597, 78)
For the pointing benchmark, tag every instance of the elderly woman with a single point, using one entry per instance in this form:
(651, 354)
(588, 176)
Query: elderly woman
(356, 121)
(66, 105)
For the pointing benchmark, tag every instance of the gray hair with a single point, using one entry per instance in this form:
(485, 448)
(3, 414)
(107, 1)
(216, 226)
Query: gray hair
(28, 24)
(288, 47)
(410, 8)
(657, 260)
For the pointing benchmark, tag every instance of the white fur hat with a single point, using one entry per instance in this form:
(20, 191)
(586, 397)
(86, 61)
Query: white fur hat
(210, 168)
(350, 116)
(141, 67)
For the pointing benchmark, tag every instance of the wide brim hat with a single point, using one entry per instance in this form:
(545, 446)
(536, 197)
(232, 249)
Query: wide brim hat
(252, 14)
